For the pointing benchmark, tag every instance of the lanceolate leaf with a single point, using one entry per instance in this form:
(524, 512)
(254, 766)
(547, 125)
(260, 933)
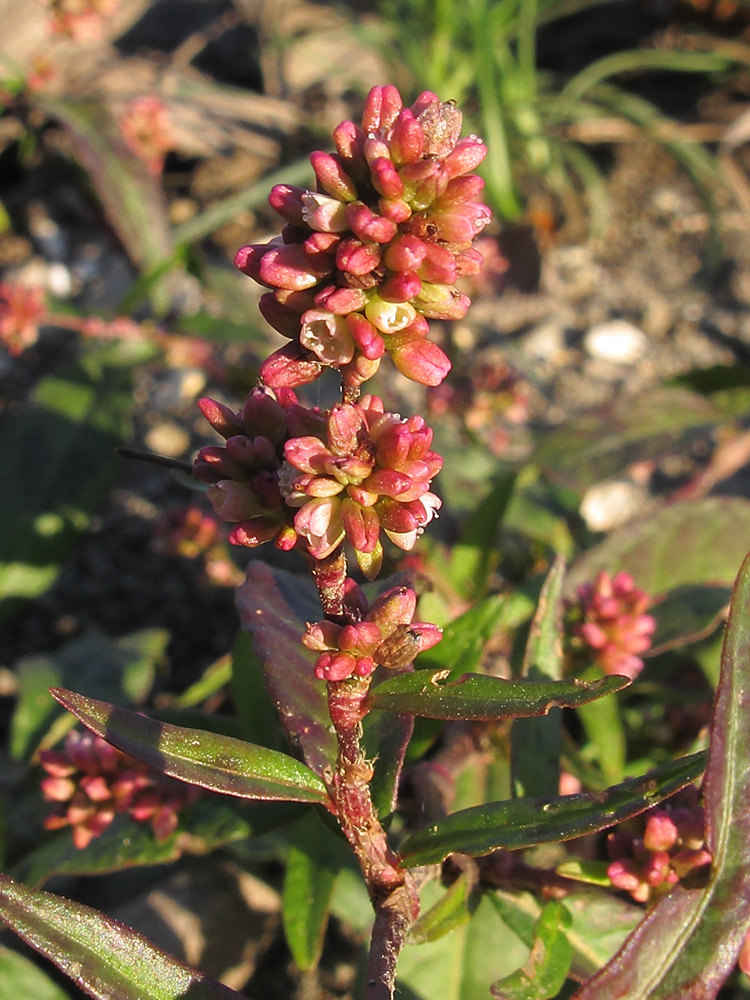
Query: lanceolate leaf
(477, 696)
(545, 970)
(221, 763)
(274, 606)
(105, 958)
(520, 823)
(687, 945)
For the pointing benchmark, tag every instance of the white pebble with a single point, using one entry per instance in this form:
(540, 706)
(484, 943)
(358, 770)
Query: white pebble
(611, 503)
(616, 340)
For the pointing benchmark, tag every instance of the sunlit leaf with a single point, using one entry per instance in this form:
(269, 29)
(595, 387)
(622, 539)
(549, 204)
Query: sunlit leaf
(312, 865)
(19, 977)
(274, 606)
(525, 822)
(475, 553)
(450, 911)
(689, 941)
(220, 763)
(682, 544)
(105, 958)
(546, 969)
(478, 696)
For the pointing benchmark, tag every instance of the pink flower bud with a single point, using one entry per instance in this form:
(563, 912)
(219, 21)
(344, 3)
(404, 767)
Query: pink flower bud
(466, 157)
(439, 265)
(389, 317)
(319, 522)
(385, 179)
(421, 361)
(322, 213)
(248, 259)
(349, 140)
(279, 316)
(406, 253)
(361, 525)
(335, 666)
(253, 532)
(356, 257)
(365, 336)
(441, 302)
(221, 418)
(429, 635)
(345, 425)
(400, 287)
(341, 301)
(368, 226)
(292, 267)
(361, 638)
(660, 833)
(289, 367)
(322, 636)
(381, 108)
(395, 607)
(407, 139)
(332, 177)
(286, 199)
(395, 209)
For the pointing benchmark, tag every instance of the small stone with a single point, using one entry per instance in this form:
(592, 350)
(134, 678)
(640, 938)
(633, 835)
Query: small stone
(168, 438)
(611, 503)
(546, 342)
(616, 340)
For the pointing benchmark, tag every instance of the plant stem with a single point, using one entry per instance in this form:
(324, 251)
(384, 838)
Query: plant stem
(393, 896)
(329, 576)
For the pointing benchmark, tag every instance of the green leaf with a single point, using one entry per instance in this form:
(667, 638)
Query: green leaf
(19, 977)
(602, 442)
(688, 943)
(220, 763)
(478, 696)
(58, 452)
(600, 922)
(273, 606)
(450, 911)
(525, 822)
(312, 865)
(688, 614)
(250, 697)
(208, 824)
(475, 554)
(545, 970)
(117, 670)
(103, 957)
(460, 650)
(682, 544)
(460, 965)
(605, 735)
(537, 743)
(386, 739)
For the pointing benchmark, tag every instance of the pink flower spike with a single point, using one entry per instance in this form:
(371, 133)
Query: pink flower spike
(407, 139)
(289, 367)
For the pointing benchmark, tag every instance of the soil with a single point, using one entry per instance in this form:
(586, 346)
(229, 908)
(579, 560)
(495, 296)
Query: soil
(653, 268)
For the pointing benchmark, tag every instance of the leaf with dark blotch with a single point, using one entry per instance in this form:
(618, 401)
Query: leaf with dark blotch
(477, 696)
(600, 443)
(132, 197)
(273, 606)
(708, 535)
(104, 958)
(520, 823)
(688, 614)
(220, 763)
(688, 944)
(544, 972)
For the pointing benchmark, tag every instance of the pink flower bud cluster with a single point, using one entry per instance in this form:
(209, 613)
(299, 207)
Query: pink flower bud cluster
(244, 473)
(670, 847)
(81, 20)
(373, 254)
(90, 782)
(382, 634)
(146, 128)
(610, 623)
(187, 532)
(22, 310)
(293, 474)
(370, 470)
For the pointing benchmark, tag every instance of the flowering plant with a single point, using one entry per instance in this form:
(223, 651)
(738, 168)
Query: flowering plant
(363, 264)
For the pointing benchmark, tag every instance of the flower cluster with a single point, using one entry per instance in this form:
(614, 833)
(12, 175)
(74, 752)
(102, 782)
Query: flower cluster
(91, 783)
(22, 310)
(670, 848)
(380, 635)
(610, 623)
(289, 473)
(146, 129)
(370, 256)
(81, 20)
